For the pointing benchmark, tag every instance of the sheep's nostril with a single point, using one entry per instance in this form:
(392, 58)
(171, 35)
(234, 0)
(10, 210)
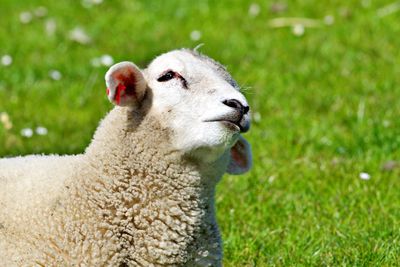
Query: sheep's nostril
(233, 103)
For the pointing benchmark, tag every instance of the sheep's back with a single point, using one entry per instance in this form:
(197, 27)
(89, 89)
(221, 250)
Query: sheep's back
(26, 182)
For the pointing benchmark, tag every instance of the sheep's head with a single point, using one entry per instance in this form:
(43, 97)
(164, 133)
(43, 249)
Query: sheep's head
(194, 97)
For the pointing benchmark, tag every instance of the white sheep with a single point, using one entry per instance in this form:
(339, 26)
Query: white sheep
(142, 194)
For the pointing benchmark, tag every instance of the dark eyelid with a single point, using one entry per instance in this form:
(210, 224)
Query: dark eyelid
(173, 75)
(166, 76)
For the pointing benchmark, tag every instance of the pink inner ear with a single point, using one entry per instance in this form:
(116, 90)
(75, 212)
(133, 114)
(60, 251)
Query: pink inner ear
(238, 153)
(126, 87)
(128, 80)
(120, 89)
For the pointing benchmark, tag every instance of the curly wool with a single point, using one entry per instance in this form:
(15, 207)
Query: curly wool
(129, 200)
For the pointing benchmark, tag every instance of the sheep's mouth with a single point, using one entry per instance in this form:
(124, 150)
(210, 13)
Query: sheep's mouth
(230, 125)
(241, 125)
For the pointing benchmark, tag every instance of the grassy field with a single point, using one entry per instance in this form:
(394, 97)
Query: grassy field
(325, 102)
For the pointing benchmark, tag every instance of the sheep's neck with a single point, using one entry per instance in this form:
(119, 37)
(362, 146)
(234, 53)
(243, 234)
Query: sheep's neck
(126, 145)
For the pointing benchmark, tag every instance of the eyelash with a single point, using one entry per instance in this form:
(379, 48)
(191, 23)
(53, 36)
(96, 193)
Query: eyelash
(169, 75)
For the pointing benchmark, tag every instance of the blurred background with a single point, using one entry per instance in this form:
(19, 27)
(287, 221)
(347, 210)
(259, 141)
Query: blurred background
(322, 79)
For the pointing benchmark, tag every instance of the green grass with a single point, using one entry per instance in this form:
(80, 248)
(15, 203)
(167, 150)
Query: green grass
(329, 103)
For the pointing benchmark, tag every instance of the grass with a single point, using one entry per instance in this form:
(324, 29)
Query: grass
(326, 103)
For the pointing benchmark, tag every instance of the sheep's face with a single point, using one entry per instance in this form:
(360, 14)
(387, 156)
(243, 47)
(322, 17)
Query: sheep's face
(195, 98)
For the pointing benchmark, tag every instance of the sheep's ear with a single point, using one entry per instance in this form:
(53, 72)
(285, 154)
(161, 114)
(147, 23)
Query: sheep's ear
(241, 158)
(126, 84)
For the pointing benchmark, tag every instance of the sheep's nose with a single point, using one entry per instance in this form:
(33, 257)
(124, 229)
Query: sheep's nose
(233, 103)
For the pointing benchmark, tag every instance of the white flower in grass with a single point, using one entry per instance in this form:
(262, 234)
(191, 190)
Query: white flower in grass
(79, 35)
(50, 26)
(106, 60)
(25, 17)
(55, 75)
(365, 176)
(386, 123)
(298, 29)
(27, 132)
(271, 179)
(41, 130)
(256, 116)
(5, 120)
(195, 35)
(6, 60)
(254, 10)
(40, 11)
(329, 19)
(90, 3)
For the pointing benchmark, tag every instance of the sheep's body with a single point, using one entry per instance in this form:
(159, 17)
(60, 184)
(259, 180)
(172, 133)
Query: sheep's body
(151, 216)
(132, 199)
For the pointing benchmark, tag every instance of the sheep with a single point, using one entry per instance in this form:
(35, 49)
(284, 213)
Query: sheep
(142, 193)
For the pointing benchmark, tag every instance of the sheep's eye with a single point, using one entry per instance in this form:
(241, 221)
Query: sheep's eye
(167, 76)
